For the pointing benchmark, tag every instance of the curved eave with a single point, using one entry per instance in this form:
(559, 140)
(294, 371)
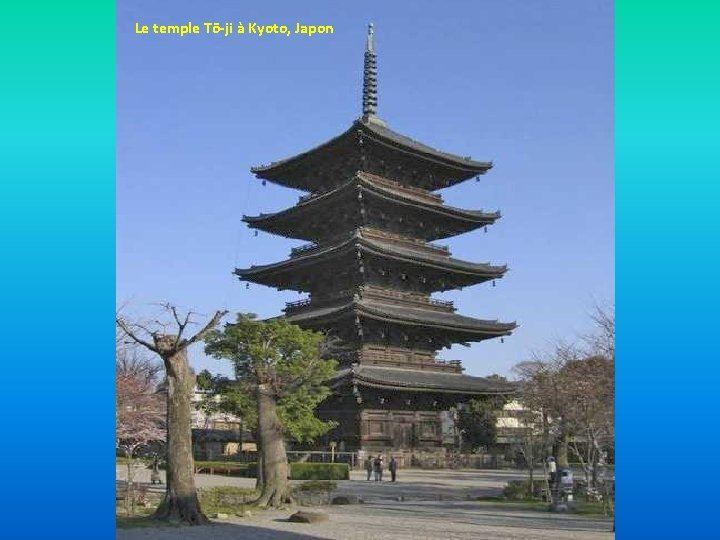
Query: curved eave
(407, 144)
(473, 329)
(463, 168)
(289, 222)
(395, 253)
(273, 222)
(266, 171)
(438, 320)
(420, 381)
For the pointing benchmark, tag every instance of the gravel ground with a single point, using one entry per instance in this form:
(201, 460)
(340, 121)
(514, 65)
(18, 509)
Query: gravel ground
(434, 506)
(370, 522)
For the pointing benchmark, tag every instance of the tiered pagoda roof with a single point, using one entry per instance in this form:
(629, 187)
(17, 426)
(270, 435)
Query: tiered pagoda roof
(369, 145)
(440, 271)
(419, 211)
(420, 381)
(370, 268)
(457, 328)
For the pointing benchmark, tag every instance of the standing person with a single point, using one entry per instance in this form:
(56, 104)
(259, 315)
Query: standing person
(155, 474)
(393, 468)
(378, 468)
(369, 467)
(552, 469)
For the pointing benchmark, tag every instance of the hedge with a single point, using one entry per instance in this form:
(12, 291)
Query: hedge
(227, 467)
(319, 471)
(297, 471)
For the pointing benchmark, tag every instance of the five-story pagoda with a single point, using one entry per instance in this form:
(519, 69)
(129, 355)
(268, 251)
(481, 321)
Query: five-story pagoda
(370, 270)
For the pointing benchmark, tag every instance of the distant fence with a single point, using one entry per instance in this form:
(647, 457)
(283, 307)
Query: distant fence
(351, 458)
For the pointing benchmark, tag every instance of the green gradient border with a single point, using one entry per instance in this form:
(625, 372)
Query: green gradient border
(668, 193)
(57, 223)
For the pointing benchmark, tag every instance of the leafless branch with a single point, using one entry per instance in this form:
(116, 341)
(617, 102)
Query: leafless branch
(127, 330)
(208, 327)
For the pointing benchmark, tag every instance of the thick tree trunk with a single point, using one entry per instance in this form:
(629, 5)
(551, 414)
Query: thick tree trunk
(181, 501)
(561, 450)
(273, 465)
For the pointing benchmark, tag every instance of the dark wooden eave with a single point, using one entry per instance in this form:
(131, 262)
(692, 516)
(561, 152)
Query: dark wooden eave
(297, 221)
(368, 137)
(414, 380)
(466, 328)
(287, 274)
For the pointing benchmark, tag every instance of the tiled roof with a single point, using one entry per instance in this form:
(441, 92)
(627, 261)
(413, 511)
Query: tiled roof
(379, 247)
(405, 315)
(459, 167)
(421, 380)
(387, 192)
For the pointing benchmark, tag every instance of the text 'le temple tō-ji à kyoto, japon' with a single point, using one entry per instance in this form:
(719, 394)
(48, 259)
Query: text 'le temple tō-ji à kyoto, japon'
(370, 270)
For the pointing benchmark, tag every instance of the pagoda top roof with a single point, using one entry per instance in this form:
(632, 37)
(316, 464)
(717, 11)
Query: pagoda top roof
(333, 161)
(371, 129)
(404, 315)
(420, 380)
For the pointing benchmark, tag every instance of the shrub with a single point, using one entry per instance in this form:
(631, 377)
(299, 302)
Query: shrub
(316, 485)
(234, 468)
(225, 498)
(519, 490)
(314, 491)
(319, 471)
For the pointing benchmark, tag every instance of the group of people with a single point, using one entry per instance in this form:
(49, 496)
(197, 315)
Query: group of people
(376, 466)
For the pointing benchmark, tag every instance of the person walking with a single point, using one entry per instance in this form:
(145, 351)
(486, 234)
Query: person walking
(378, 468)
(392, 466)
(369, 467)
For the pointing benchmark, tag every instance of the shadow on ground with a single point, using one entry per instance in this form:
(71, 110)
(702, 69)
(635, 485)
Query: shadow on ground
(216, 531)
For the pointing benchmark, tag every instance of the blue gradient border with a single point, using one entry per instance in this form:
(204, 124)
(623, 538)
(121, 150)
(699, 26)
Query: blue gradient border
(668, 187)
(57, 222)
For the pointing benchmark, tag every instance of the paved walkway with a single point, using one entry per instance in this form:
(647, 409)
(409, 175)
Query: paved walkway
(411, 484)
(434, 505)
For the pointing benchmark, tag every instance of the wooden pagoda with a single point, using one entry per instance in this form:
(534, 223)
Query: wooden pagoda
(370, 270)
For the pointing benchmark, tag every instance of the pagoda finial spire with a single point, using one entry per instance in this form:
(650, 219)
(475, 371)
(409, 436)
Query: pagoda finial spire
(370, 97)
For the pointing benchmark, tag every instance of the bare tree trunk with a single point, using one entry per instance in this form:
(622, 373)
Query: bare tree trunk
(259, 482)
(532, 479)
(561, 452)
(130, 485)
(181, 501)
(273, 464)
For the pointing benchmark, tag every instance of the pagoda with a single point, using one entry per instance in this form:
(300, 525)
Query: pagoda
(370, 268)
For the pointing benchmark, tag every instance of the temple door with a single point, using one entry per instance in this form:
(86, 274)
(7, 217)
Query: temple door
(403, 435)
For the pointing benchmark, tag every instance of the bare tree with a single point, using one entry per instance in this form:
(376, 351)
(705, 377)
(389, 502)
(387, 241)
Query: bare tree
(601, 341)
(140, 409)
(181, 502)
(572, 391)
(589, 394)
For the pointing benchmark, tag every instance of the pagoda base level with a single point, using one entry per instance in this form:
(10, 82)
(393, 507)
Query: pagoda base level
(410, 424)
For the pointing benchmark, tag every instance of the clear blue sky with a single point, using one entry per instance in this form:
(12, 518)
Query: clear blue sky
(526, 84)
